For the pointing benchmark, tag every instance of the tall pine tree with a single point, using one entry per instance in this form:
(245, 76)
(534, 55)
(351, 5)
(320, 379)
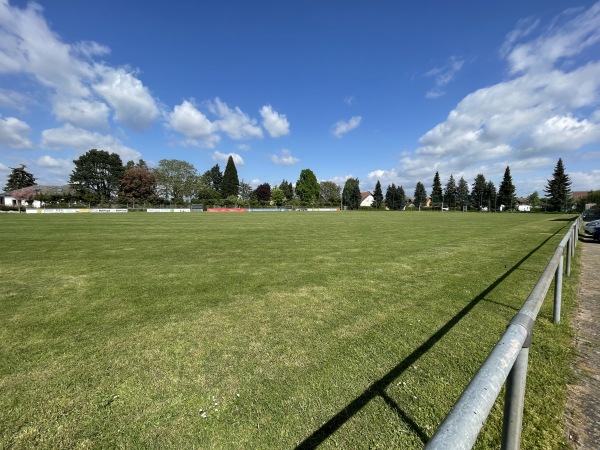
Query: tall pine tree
(559, 188)
(420, 195)
(506, 192)
(230, 183)
(377, 196)
(478, 191)
(450, 191)
(436, 189)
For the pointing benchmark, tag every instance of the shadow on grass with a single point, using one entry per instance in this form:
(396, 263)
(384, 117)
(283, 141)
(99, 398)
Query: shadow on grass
(377, 389)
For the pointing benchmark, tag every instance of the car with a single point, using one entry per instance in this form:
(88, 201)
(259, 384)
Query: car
(596, 235)
(590, 227)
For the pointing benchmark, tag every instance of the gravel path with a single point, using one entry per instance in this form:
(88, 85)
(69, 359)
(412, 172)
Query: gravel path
(583, 405)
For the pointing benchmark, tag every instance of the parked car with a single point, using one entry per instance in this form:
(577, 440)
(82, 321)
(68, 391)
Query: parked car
(596, 235)
(590, 227)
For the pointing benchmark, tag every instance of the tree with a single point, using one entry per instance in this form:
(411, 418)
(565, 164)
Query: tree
(277, 196)
(330, 192)
(27, 194)
(462, 192)
(19, 178)
(138, 184)
(287, 189)
(214, 177)
(230, 183)
(436, 189)
(263, 192)
(420, 194)
(97, 172)
(395, 199)
(244, 190)
(489, 196)
(478, 191)
(377, 196)
(506, 192)
(351, 194)
(307, 186)
(534, 199)
(175, 179)
(450, 191)
(559, 188)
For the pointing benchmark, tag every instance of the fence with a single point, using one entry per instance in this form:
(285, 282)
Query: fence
(506, 362)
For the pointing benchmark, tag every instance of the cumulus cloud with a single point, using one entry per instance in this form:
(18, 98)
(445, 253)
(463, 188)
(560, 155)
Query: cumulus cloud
(129, 98)
(276, 124)
(342, 127)
(81, 112)
(224, 157)
(545, 110)
(234, 122)
(74, 80)
(80, 140)
(285, 158)
(189, 121)
(14, 133)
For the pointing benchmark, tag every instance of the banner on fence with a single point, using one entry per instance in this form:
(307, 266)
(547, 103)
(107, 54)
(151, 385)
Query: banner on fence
(168, 210)
(226, 210)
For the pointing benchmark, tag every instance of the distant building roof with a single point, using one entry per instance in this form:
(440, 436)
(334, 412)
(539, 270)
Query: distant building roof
(364, 195)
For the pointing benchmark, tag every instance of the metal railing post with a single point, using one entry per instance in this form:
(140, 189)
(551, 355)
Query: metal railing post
(514, 397)
(514, 401)
(558, 290)
(569, 255)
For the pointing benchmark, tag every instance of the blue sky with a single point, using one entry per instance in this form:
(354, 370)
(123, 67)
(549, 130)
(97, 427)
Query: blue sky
(377, 90)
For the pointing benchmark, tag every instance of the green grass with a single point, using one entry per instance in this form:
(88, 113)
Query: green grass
(355, 330)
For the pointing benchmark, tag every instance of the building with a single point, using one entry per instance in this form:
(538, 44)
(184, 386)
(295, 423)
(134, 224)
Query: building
(366, 199)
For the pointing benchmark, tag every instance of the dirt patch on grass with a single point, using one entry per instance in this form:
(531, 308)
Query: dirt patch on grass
(583, 405)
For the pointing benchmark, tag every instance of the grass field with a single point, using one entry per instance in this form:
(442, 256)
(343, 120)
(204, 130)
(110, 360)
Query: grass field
(351, 330)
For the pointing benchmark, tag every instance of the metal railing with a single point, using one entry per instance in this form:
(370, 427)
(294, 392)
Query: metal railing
(506, 362)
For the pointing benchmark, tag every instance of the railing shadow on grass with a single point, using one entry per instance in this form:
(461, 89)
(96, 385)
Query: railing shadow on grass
(377, 389)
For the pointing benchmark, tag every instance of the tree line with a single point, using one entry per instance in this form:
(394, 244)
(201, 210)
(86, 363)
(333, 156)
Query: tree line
(100, 177)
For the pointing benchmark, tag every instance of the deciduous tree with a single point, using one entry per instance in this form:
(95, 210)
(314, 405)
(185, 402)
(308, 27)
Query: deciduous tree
(287, 189)
(307, 186)
(138, 185)
(214, 177)
(263, 192)
(175, 179)
(559, 188)
(351, 194)
(330, 192)
(277, 196)
(97, 172)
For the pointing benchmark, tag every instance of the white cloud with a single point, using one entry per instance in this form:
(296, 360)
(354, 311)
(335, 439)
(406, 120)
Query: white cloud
(54, 166)
(81, 112)
(79, 140)
(68, 71)
(555, 44)
(443, 75)
(13, 99)
(286, 158)
(342, 127)
(237, 159)
(14, 133)
(276, 124)
(234, 122)
(349, 100)
(132, 102)
(189, 121)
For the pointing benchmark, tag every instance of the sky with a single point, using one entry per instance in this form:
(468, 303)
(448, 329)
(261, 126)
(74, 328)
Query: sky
(370, 89)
